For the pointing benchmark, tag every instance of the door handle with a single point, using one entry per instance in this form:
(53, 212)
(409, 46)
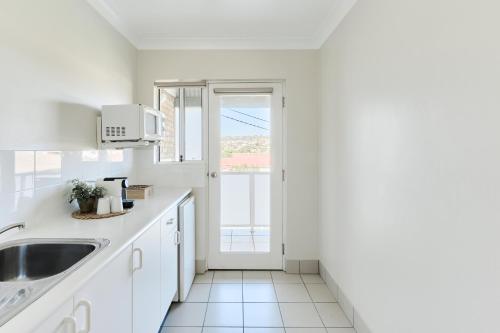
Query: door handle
(213, 174)
(88, 315)
(138, 250)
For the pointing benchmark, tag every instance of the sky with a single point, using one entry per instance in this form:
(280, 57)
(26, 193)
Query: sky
(245, 121)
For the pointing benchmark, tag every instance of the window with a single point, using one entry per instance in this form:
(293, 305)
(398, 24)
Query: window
(183, 109)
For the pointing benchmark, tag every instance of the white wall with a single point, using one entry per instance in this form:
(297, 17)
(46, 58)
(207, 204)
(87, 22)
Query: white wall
(410, 164)
(59, 62)
(299, 68)
(34, 185)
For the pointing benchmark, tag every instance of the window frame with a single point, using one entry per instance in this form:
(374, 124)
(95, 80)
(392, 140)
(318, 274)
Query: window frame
(182, 129)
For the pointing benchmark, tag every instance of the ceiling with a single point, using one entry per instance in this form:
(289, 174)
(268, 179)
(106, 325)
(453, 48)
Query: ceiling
(224, 24)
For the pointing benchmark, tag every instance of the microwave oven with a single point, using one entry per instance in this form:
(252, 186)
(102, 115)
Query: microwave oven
(132, 122)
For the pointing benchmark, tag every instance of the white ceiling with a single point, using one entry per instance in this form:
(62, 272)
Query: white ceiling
(224, 24)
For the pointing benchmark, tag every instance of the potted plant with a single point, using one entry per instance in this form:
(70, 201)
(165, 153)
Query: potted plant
(86, 195)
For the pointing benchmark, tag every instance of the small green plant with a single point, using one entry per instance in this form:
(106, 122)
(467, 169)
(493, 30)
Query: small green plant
(85, 194)
(80, 191)
(98, 192)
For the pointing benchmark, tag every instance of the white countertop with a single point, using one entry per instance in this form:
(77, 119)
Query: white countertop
(121, 232)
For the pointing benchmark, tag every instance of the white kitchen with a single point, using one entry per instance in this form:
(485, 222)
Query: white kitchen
(264, 166)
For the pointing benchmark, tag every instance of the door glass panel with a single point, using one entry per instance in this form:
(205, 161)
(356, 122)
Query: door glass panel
(245, 164)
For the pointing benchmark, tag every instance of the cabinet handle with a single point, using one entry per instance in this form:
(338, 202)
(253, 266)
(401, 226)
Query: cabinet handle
(70, 321)
(170, 221)
(138, 250)
(177, 237)
(88, 315)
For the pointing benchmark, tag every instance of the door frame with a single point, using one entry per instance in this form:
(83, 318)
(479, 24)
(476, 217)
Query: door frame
(284, 148)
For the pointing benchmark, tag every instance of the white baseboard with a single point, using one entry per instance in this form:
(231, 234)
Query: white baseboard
(344, 302)
(201, 266)
(292, 266)
(302, 266)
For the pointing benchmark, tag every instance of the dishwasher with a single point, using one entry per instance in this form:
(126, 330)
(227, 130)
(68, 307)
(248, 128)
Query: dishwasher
(187, 247)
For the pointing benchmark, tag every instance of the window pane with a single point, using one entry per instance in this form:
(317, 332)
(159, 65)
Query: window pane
(170, 106)
(193, 123)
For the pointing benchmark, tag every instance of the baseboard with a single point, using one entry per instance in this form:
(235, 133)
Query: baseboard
(347, 306)
(293, 266)
(201, 266)
(309, 266)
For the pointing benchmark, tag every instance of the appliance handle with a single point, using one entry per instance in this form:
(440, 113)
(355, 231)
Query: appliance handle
(138, 250)
(177, 237)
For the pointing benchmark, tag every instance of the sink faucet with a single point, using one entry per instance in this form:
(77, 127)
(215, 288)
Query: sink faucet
(20, 225)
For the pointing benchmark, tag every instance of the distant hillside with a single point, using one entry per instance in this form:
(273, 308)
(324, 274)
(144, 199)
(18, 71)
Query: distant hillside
(245, 144)
(245, 153)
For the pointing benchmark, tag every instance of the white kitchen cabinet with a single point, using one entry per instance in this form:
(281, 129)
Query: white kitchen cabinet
(60, 321)
(169, 242)
(104, 304)
(131, 293)
(147, 316)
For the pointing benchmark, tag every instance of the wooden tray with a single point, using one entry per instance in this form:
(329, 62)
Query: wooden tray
(94, 216)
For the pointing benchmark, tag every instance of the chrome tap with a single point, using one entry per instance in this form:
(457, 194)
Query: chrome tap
(20, 225)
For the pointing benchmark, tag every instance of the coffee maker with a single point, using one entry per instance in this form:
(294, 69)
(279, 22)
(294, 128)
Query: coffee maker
(127, 204)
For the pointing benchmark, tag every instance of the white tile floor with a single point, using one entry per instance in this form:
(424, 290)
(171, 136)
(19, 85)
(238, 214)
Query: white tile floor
(257, 302)
(245, 239)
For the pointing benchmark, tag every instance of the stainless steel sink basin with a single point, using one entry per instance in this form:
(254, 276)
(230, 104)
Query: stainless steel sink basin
(30, 267)
(25, 262)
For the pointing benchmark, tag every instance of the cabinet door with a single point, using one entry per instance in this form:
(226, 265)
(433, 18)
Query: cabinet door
(61, 321)
(169, 267)
(146, 281)
(104, 304)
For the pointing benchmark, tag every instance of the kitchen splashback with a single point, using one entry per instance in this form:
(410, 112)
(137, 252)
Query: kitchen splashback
(34, 184)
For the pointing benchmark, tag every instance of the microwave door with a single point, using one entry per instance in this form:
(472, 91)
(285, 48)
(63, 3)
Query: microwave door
(161, 125)
(150, 125)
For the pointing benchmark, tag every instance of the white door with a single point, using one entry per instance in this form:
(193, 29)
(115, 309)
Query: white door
(60, 321)
(104, 304)
(187, 246)
(245, 175)
(147, 314)
(169, 268)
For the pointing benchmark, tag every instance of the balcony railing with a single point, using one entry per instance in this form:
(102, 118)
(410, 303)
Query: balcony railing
(245, 199)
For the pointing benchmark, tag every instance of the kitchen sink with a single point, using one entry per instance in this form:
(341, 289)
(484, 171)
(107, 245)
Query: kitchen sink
(25, 262)
(30, 267)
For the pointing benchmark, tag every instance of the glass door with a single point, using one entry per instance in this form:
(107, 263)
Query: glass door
(245, 169)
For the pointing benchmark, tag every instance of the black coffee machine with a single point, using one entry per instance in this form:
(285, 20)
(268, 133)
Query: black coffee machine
(127, 204)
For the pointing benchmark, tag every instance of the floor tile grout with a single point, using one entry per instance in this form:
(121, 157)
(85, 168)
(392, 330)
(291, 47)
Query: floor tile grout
(242, 304)
(315, 308)
(279, 307)
(206, 307)
(272, 281)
